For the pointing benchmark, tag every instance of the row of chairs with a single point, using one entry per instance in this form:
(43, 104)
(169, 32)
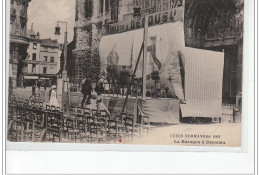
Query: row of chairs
(99, 127)
(32, 121)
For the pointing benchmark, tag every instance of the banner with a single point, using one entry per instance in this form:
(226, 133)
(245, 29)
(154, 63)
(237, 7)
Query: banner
(165, 53)
(132, 23)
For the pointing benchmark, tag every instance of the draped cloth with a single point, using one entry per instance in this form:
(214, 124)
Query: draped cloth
(160, 110)
(165, 52)
(203, 83)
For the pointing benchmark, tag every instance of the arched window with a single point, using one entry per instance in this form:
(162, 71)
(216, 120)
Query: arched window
(114, 10)
(101, 6)
(88, 8)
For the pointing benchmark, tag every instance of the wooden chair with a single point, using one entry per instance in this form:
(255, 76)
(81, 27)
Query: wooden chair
(54, 124)
(79, 116)
(39, 127)
(131, 127)
(86, 111)
(146, 125)
(73, 133)
(94, 112)
(120, 122)
(112, 130)
(17, 127)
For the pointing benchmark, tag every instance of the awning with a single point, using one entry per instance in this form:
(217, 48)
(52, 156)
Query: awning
(31, 77)
(165, 51)
(203, 83)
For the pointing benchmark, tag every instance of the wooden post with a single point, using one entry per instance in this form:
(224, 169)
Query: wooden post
(104, 16)
(22, 132)
(145, 56)
(33, 131)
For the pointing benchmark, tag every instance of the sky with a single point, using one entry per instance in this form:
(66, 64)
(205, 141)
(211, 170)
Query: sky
(44, 15)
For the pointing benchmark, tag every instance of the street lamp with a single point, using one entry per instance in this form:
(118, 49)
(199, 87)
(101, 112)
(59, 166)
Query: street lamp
(57, 32)
(64, 71)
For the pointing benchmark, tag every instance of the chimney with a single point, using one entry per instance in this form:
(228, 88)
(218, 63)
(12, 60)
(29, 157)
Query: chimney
(38, 34)
(32, 27)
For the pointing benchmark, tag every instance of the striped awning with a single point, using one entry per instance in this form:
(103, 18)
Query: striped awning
(31, 77)
(203, 83)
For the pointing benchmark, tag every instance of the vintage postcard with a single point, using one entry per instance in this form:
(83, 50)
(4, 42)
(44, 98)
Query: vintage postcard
(150, 72)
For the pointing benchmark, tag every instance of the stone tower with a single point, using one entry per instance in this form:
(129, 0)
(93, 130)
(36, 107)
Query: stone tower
(87, 34)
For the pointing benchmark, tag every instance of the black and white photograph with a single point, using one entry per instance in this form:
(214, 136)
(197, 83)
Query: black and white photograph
(144, 72)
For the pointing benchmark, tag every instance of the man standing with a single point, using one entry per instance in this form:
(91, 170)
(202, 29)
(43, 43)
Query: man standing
(33, 92)
(123, 78)
(86, 91)
(39, 85)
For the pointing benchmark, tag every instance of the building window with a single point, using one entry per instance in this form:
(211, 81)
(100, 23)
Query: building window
(34, 45)
(101, 6)
(44, 70)
(52, 59)
(33, 68)
(25, 68)
(114, 10)
(34, 56)
(45, 58)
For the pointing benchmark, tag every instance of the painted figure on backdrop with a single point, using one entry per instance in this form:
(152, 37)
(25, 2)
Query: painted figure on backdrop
(152, 49)
(113, 58)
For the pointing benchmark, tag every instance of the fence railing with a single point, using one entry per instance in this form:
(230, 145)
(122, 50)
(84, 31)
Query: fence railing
(227, 112)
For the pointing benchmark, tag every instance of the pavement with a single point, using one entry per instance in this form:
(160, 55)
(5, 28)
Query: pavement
(215, 134)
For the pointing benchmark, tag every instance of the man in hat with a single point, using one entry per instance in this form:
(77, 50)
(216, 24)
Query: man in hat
(123, 78)
(86, 91)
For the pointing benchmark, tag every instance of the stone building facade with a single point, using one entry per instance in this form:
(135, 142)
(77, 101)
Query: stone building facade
(42, 61)
(218, 25)
(18, 39)
(208, 24)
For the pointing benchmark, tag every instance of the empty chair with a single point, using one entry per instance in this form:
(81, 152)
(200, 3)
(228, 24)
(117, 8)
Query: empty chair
(145, 124)
(72, 132)
(131, 127)
(112, 130)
